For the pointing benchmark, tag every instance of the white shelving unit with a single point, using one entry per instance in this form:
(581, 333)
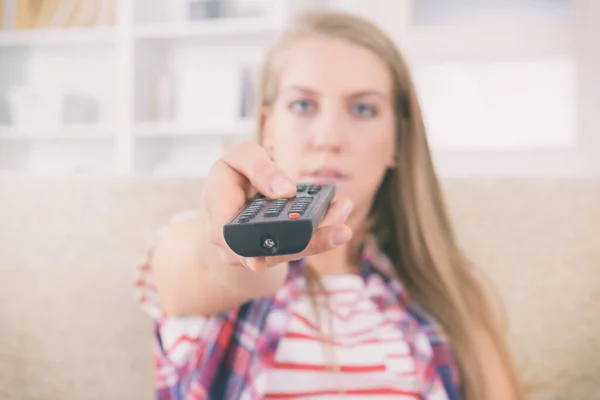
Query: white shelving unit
(170, 90)
(149, 41)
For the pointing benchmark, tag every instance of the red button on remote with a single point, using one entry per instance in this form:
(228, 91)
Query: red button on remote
(293, 215)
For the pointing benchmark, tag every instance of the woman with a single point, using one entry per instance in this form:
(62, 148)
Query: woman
(382, 303)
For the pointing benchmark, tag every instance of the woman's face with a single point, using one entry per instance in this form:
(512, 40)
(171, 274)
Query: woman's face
(333, 117)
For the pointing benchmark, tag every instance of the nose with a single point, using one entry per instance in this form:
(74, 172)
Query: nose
(328, 133)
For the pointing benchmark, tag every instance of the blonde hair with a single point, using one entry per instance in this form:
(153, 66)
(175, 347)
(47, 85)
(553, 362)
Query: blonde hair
(408, 215)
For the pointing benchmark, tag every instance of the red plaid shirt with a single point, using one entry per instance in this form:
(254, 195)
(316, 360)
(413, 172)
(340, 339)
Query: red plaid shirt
(228, 355)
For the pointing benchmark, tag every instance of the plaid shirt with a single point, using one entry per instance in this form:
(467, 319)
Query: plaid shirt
(230, 357)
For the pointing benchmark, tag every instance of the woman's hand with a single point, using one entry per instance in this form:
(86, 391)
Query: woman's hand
(224, 194)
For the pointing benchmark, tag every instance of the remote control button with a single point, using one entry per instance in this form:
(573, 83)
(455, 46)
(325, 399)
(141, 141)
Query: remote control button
(301, 204)
(294, 215)
(243, 219)
(301, 187)
(302, 201)
(272, 214)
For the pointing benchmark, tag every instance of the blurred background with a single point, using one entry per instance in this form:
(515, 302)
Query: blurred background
(156, 87)
(112, 112)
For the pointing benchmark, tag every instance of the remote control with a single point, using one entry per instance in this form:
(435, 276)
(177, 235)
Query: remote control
(273, 227)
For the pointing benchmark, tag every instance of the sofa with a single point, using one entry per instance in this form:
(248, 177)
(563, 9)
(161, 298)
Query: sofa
(69, 246)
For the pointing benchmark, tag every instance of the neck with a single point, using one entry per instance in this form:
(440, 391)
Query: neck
(333, 262)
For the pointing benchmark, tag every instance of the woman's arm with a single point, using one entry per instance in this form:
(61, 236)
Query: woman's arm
(191, 279)
(195, 272)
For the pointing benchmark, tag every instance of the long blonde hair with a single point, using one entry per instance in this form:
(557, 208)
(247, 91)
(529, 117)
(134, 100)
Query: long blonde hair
(408, 216)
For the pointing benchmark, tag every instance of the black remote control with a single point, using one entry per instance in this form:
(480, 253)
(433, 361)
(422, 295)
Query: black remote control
(273, 227)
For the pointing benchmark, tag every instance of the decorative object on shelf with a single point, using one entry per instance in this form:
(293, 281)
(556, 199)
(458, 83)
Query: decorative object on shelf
(45, 14)
(205, 9)
(34, 107)
(210, 9)
(48, 108)
(248, 92)
(80, 108)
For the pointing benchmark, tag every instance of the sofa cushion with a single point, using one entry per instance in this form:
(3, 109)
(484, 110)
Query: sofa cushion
(71, 330)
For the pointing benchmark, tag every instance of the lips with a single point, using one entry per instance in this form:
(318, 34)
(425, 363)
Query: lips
(326, 173)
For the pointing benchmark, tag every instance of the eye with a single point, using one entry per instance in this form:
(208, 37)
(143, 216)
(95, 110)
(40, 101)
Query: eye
(363, 110)
(302, 106)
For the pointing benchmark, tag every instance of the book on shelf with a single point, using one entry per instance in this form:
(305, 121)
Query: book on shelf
(53, 14)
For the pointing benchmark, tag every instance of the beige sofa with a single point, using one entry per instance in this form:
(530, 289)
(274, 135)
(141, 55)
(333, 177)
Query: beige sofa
(70, 328)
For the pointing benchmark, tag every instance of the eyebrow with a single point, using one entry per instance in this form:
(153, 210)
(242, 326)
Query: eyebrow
(359, 93)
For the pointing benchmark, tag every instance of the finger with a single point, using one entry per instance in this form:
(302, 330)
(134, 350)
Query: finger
(253, 163)
(257, 264)
(223, 197)
(229, 258)
(337, 213)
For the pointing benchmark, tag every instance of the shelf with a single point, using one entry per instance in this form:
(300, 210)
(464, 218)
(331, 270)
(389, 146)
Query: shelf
(62, 36)
(82, 132)
(242, 27)
(172, 129)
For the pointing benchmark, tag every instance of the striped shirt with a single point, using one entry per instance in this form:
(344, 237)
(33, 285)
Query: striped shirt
(384, 344)
(371, 356)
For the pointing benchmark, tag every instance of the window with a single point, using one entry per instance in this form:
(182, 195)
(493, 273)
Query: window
(459, 11)
(508, 87)
(500, 105)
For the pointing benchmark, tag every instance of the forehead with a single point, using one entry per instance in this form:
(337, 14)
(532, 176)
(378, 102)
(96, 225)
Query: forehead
(333, 65)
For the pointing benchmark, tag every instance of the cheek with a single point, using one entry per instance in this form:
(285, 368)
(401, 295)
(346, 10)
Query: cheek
(377, 143)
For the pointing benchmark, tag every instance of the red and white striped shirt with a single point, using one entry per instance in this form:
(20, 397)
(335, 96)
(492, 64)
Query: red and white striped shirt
(370, 354)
